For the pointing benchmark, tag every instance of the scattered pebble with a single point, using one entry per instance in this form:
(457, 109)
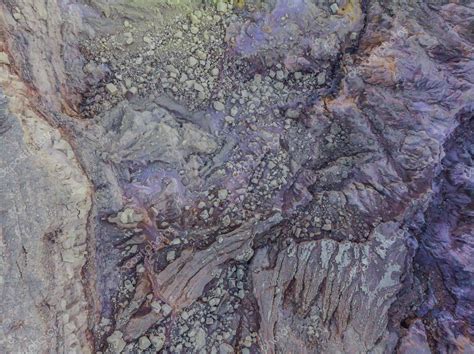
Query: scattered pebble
(321, 78)
(192, 61)
(111, 88)
(222, 194)
(218, 106)
(144, 343)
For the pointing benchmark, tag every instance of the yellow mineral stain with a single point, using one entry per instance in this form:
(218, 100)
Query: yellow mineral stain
(240, 4)
(353, 10)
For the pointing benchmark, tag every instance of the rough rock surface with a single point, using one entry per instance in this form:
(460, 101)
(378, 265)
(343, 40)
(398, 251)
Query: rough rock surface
(236, 176)
(46, 199)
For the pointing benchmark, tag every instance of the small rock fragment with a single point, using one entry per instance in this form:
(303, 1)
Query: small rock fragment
(17, 16)
(222, 194)
(144, 343)
(200, 339)
(156, 306)
(321, 78)
(233, 111)
(184, 315)
(198, 87)
(192, 61)
(327, 227)
(225, 348)
(218, 106)
(170, 256)
(221, 6)
(111, 88)
(166, 309)
(4, 58)
(292, 113)
(158, 342)
(128, 38)
(204, 215)
(116, 342)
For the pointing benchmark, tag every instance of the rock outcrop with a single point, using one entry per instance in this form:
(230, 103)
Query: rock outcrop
(46, 199)
(236, 176)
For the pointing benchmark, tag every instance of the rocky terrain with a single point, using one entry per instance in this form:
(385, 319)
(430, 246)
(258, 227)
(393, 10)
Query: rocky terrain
(278, 176)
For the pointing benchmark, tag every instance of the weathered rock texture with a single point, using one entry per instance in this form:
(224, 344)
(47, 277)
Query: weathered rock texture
(286, 176)
(46, 199)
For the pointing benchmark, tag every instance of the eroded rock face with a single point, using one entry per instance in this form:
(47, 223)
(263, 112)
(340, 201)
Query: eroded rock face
(255, 177)
(446, 246)
(46, 199)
